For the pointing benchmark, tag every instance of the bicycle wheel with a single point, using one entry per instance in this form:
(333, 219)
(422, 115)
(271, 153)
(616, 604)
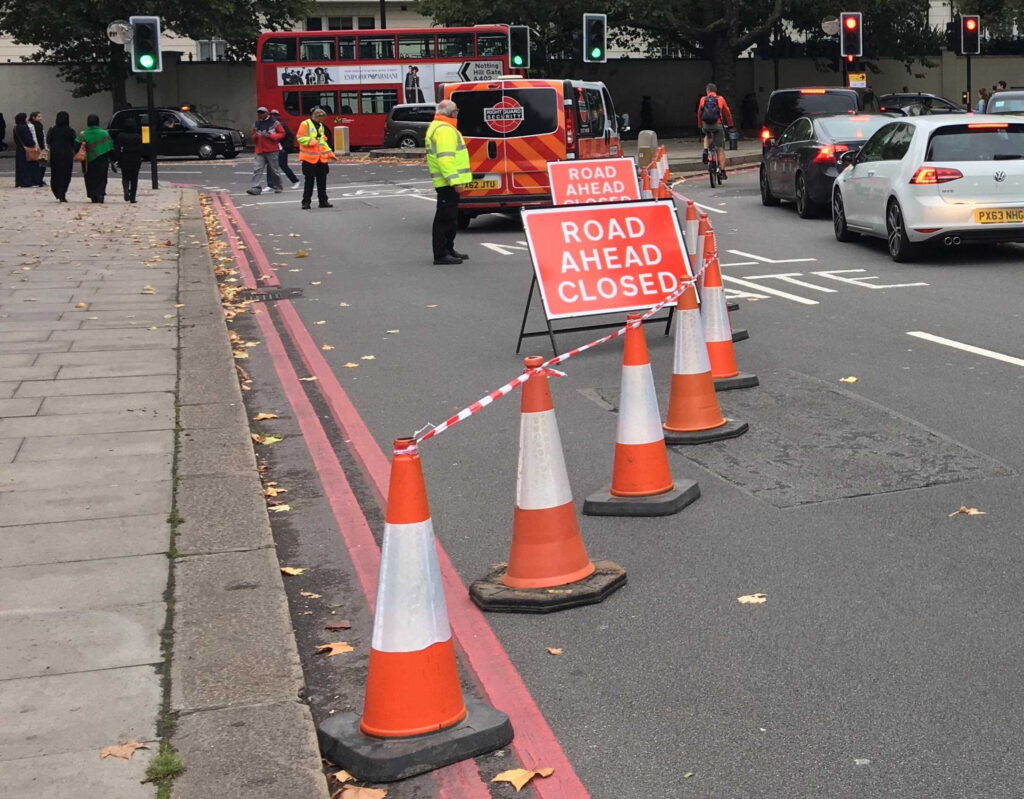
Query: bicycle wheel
(713, 172)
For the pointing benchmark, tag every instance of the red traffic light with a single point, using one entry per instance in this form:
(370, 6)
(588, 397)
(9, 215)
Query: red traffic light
(851, 23)
(971, 24)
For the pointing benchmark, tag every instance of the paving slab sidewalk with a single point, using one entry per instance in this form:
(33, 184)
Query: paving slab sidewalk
(98, 466)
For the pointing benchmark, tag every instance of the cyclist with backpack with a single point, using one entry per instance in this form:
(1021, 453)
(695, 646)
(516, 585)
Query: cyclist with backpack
(713, 115)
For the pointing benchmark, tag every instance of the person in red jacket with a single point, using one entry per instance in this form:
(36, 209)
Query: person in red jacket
(266, 137)
(712, 112)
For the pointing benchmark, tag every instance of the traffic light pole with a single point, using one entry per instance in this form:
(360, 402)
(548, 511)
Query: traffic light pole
(154, 131)
(970, 96)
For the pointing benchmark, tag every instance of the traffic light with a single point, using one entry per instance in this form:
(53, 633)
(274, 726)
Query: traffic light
(595, 38)
(145, 49)
(519, 46)
(970, 34)
(851, 35)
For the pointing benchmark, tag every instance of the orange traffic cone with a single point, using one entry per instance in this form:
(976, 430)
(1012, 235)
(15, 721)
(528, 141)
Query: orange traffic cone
(664, 162)
(705, 231)
(690, 227)
(694, 416)
(641, 482)
(703, 228)
(412, 683)
(547, 548)
(645, 185)
(717, 331)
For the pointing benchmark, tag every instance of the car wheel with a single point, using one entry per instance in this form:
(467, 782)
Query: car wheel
(407, 141)
(464, 220)
(206, 151)
(842, 232)
(805, 208)
(901, 248)
(229, 156)
(767, 198)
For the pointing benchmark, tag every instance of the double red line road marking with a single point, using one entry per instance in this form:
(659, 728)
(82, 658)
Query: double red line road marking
(481, 652)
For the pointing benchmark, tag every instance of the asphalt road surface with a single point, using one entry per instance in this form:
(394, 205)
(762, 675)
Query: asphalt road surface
(887, 660)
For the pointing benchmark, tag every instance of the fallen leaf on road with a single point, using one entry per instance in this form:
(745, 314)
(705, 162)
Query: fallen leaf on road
(279, 508)
(392, 331)
(180, 305)
(292, 571)
(343, 305)
(553, 651)
(752, 599)
(294, 235)
(309, 595)
(431, 306)
(518, 777)
(354, 792)
(307, 379)
(321, 322)
(123, 751)
(273, 491)
(687, 775)
(81, 305)
(266, 440)
(326, 347)
(301, 254)
(148, 290)
(368, 358)
(240, 355)
(314, 283)
(260, 417)
(967, 511)
(349, 365)
(342, 776)
(850, 379)
(334, 626)
(336, 648)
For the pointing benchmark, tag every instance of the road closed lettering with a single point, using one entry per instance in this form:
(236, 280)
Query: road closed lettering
(606, 258)
(603, 180)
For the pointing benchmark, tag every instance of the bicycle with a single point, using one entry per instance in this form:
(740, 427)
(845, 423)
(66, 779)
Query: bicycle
(715, 172)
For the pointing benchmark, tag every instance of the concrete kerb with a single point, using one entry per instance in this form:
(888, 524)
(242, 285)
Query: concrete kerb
(235, 673)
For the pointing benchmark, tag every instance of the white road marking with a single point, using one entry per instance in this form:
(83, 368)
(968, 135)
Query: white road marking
(996, 356)
(426, 197)
(502, 249)
(741, 263)
(790, 277)
(764, 260)
(859, 281)
(767, 290)
(709, 208)
(739, 294)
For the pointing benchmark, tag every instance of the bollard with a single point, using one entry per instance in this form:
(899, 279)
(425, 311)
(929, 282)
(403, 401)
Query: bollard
(341, 140)
(646, 146)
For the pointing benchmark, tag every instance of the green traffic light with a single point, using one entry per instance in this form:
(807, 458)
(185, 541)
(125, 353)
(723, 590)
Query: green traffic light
(147, 61)
(517, 60)
(595, 52)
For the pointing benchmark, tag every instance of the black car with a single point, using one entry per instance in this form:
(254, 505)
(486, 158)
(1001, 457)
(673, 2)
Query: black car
(785, 106)
(801, 164)
(918, 104)
(183, 133)
(406, 125)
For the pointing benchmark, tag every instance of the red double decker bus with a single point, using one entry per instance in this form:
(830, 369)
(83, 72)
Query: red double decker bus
(358, 76)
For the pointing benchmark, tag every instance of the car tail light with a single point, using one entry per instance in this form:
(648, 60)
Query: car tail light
(766, 134)
(570, 128)
(829, 153)
(930, 175)
(988, 125)
(812, 91)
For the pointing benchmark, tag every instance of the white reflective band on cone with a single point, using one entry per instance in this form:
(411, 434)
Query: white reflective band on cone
(691, 239)
(542, 481)
(411, 613)
(691, 352)
(639, 417)
(715, 316)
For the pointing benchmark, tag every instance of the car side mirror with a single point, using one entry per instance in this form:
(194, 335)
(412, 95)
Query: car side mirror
(847, 159)
(623, 123)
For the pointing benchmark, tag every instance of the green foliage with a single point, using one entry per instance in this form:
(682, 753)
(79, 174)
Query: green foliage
(162, 770)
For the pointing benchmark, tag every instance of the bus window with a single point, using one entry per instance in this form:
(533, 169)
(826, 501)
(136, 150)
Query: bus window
(415, 46)
(326, 100)
(279, 50)
(291, 103)
(376, 47)
(378, 101)
(490, 44)
(455, 45)
(316, 50)
(347, 48)
(349, 102)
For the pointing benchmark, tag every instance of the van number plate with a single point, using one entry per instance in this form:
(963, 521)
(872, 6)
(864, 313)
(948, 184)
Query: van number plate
(485, 182)
(997, 215)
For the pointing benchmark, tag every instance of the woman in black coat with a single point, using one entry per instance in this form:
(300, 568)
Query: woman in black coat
(26, 173)
(60, 140)
(128, 155)
(35, 119)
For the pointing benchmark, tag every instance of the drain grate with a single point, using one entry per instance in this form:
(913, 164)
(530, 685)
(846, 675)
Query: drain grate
(268, 294)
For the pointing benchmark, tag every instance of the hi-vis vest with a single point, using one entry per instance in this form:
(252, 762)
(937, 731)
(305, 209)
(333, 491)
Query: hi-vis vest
(447, 156)
(312, 139)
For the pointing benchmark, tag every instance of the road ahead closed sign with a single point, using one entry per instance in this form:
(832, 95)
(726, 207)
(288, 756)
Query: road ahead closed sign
(600, 180)
(605, 258)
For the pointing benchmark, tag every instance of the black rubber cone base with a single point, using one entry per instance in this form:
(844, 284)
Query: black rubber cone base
(389, 759)
(740, 335)
(732, 306)
(742, 380)
(604, 503)
(491, 594)
(731, 429)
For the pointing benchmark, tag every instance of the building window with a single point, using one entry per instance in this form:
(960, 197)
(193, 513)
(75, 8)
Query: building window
(334, 23)
(367, 23)
(314, 23)
(211, 49)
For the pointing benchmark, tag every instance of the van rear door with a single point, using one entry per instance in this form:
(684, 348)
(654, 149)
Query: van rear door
(485, 143)
(534, 137)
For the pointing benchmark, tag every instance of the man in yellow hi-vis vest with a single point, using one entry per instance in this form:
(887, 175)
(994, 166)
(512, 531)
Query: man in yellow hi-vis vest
(314, 152)
(448, 161)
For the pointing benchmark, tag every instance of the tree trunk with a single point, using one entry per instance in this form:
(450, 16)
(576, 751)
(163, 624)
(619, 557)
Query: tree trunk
(118, 73)
(723, 67)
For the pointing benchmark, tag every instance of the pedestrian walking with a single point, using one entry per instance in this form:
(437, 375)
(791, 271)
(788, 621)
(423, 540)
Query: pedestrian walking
(35, 119)
(60, 141)
(26, 154)
(3, 133)
(98, 147)
(266, 136)
(448, 162)
(128, 156)
(314, 152)
(287, 145)
(748, 111)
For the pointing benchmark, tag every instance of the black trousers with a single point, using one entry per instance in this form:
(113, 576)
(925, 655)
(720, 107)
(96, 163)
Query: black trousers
(282, 161)
(130, 176)
(314, 172)
(446, 221)
(60, 175)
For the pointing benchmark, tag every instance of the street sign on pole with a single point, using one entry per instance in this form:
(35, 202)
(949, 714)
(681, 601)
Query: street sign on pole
(471, 71)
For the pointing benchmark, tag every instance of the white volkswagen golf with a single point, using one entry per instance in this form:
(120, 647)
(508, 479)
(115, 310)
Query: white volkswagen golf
(945, 179)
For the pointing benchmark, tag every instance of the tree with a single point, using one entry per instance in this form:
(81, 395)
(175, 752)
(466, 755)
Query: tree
(72, 33)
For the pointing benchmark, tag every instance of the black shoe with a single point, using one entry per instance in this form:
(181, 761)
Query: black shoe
(722, 175)
(325, 205)
(447, 260)
(460, 255)
(305, 206)
(704, 156)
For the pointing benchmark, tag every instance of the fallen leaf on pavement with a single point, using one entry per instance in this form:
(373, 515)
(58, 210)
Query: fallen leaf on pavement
(368, 358)
(354, 792)
(292, 571)
(752, 599)
(339, 625)
(518, 777)
(81, 305)
(326, 347)
(301, 254)
(553, 651)
(336, 648)
(850, 379)
(123, 751)
(309, 595)
(260, 417)
(279, 508)
(967, 511)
